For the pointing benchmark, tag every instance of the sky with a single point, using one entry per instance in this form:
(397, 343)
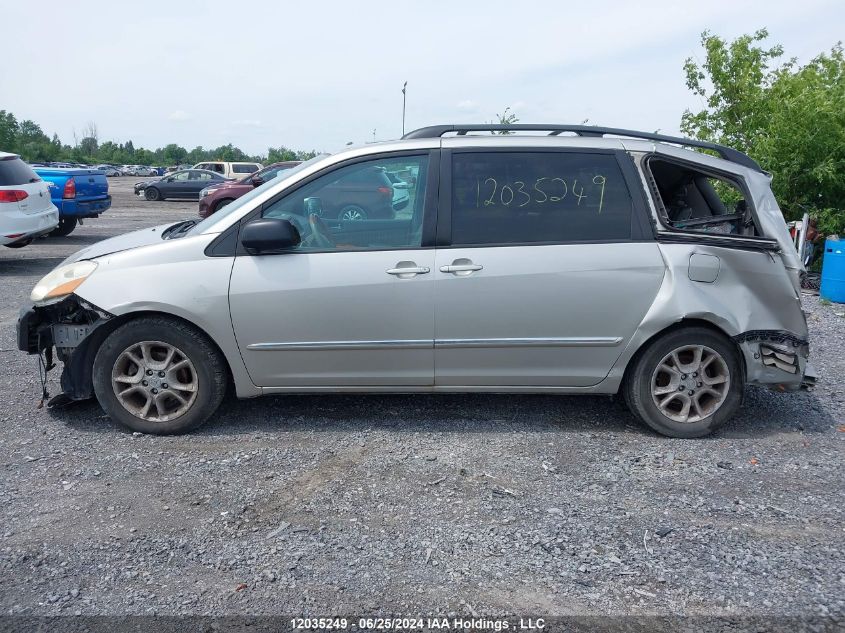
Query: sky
(317, 75)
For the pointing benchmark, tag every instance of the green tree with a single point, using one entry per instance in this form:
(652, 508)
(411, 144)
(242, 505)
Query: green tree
(144, 156)
(506, 118)
(279, 154)
(196, 155)
(174, 154)
(789, 117)
(8, 132)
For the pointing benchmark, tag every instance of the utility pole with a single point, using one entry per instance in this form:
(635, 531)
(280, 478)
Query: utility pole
(404, 87)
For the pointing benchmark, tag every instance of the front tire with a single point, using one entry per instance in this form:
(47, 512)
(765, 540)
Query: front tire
(686, 383)
(222, 204)
(159, 375)
(65, 228)
(152, 194)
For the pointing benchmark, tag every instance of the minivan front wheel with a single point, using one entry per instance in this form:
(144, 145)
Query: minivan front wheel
(686, 383)
(159, 375)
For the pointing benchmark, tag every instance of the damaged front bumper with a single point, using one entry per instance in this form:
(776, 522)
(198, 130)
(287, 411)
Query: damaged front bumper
(777, 359)
(68, 326)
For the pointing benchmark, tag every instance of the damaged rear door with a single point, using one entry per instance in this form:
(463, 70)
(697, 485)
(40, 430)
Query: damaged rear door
(546, 266)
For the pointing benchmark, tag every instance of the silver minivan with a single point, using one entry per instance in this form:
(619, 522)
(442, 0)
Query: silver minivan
(553, 259)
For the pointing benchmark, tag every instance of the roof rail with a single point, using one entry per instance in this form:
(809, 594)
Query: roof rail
(728, 153)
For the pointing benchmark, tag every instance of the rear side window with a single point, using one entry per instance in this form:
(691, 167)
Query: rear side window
(701, 202)
(537, 197)
(16, 172)
(244, 169)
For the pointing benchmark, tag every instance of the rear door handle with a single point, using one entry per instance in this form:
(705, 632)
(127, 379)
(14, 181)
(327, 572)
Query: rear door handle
(406, 270)
(461, 267)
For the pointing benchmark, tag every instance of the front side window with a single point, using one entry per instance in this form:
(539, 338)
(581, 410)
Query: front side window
(538, 197)
(181, 176)
(357, 207)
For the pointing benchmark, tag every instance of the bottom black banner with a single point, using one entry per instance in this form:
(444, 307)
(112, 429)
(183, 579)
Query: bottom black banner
(421, 623)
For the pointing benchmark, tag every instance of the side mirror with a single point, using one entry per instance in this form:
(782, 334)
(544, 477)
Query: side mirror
(257, 181)
(169, 179)
(268, 235)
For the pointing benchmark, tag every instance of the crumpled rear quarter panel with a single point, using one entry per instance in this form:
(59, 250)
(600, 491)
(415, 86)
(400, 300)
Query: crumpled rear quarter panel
(752, 292)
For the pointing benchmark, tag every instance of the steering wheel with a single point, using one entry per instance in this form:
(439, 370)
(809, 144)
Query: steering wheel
(320, 232)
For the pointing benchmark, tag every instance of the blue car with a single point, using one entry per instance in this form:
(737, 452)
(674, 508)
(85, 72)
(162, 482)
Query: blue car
(78, 193)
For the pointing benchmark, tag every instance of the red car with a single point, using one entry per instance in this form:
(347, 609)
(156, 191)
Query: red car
(216, 197)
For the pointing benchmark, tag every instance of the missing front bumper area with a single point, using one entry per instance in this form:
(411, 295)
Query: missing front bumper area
(66, 326)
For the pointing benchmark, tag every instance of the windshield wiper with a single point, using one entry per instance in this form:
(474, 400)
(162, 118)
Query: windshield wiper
(178, 229)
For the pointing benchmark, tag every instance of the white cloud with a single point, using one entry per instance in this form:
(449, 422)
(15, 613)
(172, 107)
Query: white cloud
(179, 115)
(247, 123)
(467, 104)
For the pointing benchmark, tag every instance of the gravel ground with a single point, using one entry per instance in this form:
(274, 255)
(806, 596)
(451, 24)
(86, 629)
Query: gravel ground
(472, 504)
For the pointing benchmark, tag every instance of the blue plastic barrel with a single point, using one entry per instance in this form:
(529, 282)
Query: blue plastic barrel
(833, 271)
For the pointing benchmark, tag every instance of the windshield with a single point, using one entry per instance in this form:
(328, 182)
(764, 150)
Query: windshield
(245, 199)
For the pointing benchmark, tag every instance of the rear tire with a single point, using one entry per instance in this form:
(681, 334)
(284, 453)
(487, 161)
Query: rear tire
(176, 385)
(66, 227)
(352, 212)
(152, 194)
(19, 244)
(686, 383)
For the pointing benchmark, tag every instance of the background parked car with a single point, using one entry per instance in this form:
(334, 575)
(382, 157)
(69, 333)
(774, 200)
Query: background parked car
(109, 170)
(364, 194)
(218, 195)
(401, 197)
(144, 170)
(77, 193)
(230, 169)
(181, 184)
(26, 210)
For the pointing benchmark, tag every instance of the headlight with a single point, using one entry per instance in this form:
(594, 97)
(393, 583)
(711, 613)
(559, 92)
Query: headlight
(204, 193)
(62, 281)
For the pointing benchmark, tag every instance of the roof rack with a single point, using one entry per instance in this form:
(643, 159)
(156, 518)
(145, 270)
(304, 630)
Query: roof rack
(728, 153)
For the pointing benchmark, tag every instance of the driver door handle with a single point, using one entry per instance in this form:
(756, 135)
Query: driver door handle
(407, 270)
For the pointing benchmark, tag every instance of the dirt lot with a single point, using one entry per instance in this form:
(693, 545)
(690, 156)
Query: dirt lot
(414, 504)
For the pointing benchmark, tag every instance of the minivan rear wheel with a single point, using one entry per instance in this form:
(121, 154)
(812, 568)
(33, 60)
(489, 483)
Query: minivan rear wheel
(686, 383)
(159, 375)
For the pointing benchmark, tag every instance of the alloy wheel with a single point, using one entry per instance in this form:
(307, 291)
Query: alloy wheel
(154, 381)
(353, 213)
(690, 383)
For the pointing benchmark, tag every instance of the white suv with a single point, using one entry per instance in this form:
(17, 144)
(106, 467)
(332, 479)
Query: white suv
(26, 210)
